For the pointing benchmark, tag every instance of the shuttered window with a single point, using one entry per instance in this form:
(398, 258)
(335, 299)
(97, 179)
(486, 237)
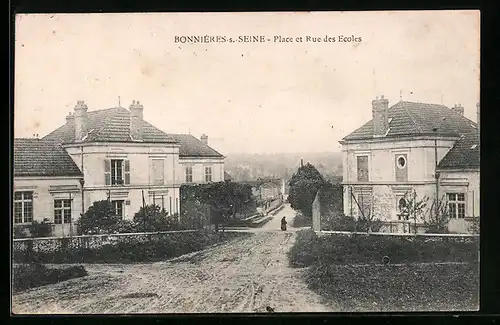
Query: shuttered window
(116, 171)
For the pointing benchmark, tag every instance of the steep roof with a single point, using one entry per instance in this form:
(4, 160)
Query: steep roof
(193, 147)
(414, 119)
(109, 125)
(465, 154)
(35, 157)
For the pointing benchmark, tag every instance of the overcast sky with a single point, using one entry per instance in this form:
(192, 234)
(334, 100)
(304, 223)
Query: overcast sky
(253, 97)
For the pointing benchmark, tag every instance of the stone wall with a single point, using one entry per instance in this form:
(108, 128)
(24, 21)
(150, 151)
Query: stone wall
(52, 244)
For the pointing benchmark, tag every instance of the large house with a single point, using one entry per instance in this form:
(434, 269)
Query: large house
(122, 158)
(428, 149)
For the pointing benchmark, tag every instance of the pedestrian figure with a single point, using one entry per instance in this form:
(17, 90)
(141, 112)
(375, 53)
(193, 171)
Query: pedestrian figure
(283, 224)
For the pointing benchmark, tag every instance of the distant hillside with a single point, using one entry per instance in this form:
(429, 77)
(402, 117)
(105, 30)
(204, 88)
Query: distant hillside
(243, 167)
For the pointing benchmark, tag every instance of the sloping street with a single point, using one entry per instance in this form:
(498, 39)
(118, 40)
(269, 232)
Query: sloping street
(245, 275)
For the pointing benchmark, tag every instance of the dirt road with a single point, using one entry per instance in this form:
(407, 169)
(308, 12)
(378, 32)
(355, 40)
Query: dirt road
(245, 275)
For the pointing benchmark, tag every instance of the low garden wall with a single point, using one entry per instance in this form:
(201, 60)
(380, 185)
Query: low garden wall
(50, 244)
(117, 248)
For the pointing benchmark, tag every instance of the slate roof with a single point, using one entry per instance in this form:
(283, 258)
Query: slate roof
(465, 154)
(109, 125)
(413, 119)
(36, 157)
(193, 147)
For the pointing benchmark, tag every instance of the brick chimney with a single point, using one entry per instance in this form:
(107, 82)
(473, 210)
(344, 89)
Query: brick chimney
(458, 109)
(81, 120)
(380, 108)
(136, 129)
(70, 118)
(478, 118)
(204, 139)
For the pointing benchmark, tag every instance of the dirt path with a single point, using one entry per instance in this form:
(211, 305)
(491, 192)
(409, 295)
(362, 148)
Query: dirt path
(245, 275)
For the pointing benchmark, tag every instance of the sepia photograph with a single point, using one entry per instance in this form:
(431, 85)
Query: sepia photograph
(246, 162)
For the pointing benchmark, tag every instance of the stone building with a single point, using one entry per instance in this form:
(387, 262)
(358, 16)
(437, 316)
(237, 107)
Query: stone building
(123, 158)
(427, 148)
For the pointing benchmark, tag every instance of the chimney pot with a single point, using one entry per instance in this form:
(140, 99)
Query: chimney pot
(458, 109)
(204, 139)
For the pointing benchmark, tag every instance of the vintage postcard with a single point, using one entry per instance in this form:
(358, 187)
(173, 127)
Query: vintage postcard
(263, 162)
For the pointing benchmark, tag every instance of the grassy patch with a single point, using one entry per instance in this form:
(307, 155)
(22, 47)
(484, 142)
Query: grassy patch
(359, 249)
(26, 276)
(410, 287)
(348, 271)
(134, 251)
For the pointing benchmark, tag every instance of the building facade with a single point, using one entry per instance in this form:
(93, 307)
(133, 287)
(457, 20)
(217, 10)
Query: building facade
(412, 147)
(47, 186)
(125, 159)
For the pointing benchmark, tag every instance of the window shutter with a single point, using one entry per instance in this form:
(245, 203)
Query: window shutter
(126, 167)
(107, 172)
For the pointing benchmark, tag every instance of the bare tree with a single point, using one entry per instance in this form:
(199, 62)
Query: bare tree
(413, 208)
(438, 217)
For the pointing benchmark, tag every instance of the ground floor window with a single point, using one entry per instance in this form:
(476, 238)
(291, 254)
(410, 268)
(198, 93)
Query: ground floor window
(456, 205)
(23, 207)
(364, 204)
(62, 211)
(118, 207)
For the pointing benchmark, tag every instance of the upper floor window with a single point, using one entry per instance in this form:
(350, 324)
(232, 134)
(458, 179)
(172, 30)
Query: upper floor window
(158, 171)
(362, 166)
(189, 174)
(62, 211)
(208, 174)
(23, 207)
(116, 171)
(118, 207)
(456, 205)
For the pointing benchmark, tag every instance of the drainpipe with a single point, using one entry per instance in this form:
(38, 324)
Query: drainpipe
(82, 181)
(436, 174)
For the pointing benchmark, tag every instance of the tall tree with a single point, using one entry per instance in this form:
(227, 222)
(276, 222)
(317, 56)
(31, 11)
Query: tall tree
(304, 185)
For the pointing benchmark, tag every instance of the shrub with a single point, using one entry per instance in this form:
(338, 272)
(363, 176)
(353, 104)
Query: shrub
(21, 231)
(304, 250)
(300, 220)
(26, 276)
(151, 218)
(99, 218)
(40, 229)
(339, 222)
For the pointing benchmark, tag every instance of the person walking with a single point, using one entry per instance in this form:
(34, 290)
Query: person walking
(283, 224)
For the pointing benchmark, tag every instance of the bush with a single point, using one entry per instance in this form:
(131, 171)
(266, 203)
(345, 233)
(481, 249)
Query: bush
(21, 231)
(26, 276)
(340, 222)
(304, 250)
(300, 220)
(152, 218)
(40, 229)
(99, 218)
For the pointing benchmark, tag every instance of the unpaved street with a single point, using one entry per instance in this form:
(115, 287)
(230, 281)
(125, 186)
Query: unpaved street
(245, 275)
